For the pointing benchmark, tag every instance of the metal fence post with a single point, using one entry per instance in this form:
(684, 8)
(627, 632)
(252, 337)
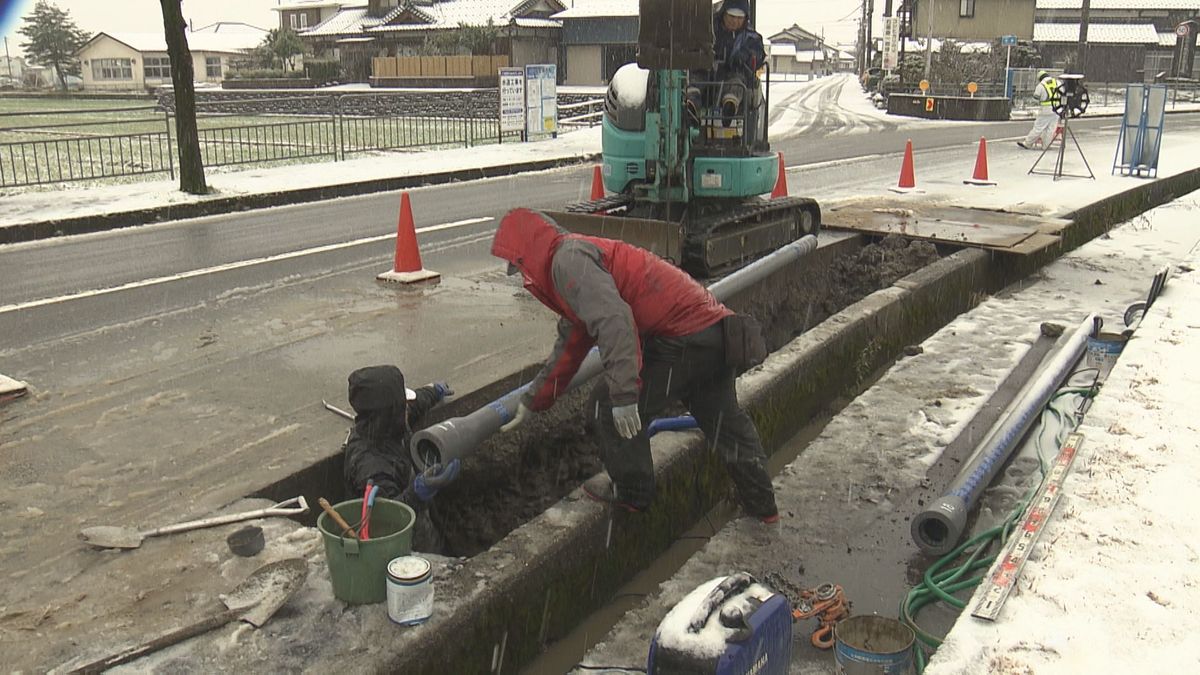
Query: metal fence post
(335, 111)
(170, 149)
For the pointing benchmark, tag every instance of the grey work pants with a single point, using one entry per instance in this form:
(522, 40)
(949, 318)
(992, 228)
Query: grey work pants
(690, 369)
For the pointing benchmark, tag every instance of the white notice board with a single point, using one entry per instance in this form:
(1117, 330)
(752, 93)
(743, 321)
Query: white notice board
(541, 99)
(512, 99)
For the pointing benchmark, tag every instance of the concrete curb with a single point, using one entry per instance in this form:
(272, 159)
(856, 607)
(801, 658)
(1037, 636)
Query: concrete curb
(110, 221)
(545, 576)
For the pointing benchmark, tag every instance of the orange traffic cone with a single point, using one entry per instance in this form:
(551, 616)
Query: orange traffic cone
(597, 184)
(781, 189)
(908, 178)
(980, 177)
(407, 268)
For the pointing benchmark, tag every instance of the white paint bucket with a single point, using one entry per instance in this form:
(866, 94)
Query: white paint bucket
(1103, 350)
(409, 590)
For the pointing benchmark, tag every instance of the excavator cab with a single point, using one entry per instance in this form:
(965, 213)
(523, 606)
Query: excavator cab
(687, 170)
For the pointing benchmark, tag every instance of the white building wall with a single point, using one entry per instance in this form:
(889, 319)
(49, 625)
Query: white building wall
(108, 48)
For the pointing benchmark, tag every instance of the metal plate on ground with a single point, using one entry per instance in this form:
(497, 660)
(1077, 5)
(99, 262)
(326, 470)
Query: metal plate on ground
(994, 230)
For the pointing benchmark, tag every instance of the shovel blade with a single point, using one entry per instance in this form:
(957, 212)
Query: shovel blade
(267, 589)
(111, 536)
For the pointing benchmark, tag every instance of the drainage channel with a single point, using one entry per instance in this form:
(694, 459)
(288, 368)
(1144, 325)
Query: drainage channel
(523, 578)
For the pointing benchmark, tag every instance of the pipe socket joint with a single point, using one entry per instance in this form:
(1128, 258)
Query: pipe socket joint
(937, 529)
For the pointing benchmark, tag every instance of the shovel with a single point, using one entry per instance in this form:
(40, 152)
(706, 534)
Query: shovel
(114, 536)
(254, 601)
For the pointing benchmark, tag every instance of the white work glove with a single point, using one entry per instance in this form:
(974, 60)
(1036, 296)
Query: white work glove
(627, 420)
(522, 415)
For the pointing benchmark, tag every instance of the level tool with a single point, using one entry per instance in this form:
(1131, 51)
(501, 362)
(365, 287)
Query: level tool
(1003, 575)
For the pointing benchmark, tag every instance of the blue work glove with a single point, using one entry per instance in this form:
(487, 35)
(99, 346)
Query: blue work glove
(434, 478)
(627, 420)
(443, 390)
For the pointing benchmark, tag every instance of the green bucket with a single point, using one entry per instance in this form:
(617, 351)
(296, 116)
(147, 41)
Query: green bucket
(358, 569)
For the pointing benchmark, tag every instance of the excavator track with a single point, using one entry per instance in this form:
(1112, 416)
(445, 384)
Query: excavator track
(747, 231)
(601, 205)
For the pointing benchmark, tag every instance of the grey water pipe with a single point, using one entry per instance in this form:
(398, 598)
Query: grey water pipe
(938, 528)
(458, 437)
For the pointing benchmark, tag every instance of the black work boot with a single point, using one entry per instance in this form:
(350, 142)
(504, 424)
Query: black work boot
(600, 488)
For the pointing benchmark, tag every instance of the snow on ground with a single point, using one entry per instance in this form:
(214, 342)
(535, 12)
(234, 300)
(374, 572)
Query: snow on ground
(45, 205)
(1110, 586)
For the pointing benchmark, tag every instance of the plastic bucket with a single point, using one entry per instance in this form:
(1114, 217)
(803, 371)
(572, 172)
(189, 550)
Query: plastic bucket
(358, 569)
(869, 645)
(1103, 350)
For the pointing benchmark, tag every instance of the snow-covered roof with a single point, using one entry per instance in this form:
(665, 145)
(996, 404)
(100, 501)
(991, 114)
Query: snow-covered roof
(809, 56)
(1098, 33)
(1120, 4)
(449, 14)
(593, 9)
(783, 49)
(313, 4)
(226, 42)
(345, 22)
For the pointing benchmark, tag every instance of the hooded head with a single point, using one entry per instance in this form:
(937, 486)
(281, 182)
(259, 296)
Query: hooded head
(527, 240)
(1041, 75)
(737, 8)
(379, 399)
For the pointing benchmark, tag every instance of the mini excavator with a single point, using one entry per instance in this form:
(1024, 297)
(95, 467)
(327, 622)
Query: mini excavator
(688, 182)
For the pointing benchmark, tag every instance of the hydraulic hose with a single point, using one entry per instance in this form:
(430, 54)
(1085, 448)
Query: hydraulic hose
(939, 527)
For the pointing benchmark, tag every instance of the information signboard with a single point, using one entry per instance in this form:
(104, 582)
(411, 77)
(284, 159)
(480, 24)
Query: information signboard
(512, 99)
(541, 99)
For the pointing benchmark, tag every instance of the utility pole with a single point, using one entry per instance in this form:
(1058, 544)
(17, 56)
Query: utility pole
(862, 40)
(7, 58)
(870, 33)
(929, 39)
(1082, 52)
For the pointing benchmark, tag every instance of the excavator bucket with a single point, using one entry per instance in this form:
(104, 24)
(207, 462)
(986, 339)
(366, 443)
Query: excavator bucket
(675, 34)
(661, 238)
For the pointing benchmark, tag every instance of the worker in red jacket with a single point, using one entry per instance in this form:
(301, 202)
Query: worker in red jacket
(661, 339)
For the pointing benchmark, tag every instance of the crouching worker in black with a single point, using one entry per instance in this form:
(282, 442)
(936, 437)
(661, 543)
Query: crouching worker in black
(377, 447)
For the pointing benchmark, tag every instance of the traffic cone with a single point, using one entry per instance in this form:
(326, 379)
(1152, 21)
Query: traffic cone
(407, 268)
(781, 189)
(980, 177)
(597, 184)
(908, 178)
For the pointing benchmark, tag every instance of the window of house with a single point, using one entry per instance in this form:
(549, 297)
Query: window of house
(966, 8)
(212, 66)
(304, 20)
(112, 69)
(295, 21)
(157, 67)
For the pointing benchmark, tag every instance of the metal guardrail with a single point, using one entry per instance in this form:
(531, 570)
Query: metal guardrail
(79, 149)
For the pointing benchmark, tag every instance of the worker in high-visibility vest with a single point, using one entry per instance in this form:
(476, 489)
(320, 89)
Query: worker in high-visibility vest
(1047, 120)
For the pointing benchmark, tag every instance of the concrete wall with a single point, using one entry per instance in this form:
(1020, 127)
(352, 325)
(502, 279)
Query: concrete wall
(992, 19)
(585, 65)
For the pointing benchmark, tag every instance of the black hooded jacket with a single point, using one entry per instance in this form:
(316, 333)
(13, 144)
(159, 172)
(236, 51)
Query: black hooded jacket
(377, 447)
(738, 53)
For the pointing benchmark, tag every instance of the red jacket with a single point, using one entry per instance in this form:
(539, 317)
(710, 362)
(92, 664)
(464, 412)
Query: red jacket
(609, 294)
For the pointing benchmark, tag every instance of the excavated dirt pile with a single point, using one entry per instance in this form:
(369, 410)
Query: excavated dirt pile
(516, 477)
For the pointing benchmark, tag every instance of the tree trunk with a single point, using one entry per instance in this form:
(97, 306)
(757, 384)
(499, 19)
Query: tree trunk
(191, 165)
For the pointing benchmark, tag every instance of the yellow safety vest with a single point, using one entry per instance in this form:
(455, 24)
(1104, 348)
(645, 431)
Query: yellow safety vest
(1051, 86)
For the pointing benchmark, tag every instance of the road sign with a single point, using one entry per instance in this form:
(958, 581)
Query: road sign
(972, 87)
(1182, 29)
(1008, 41)
(929, 103)
(512, 99)
(1003, 574)
(924, 85)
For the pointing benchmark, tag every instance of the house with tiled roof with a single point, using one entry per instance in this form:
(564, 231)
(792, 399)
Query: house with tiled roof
(795, 51)
(359, 31)
(1128, 40)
